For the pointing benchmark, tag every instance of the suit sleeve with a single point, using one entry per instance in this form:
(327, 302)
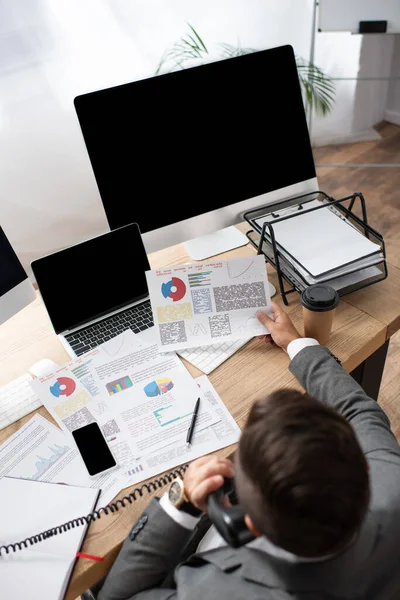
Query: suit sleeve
(148, 555)
(325, 379)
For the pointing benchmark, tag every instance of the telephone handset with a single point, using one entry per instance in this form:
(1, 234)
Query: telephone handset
(228, 520)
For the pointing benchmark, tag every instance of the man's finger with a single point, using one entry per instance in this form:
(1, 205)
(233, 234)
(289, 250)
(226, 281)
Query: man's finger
(208, 460)
(200, 461)
(264, 319)
(276, 310)
(199, 495)
(224, 468)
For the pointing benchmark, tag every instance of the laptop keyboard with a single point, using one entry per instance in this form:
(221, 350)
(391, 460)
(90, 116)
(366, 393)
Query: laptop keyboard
(138, 318)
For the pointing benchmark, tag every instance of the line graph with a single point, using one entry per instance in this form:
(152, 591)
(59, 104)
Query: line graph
(43, 464)
(243, 264)
(244, 326)
(198, 329)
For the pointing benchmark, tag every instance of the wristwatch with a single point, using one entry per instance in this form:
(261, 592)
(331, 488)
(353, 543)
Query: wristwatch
(178, 498)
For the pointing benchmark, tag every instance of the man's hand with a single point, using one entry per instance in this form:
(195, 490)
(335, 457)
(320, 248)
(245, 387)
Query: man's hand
(205, 475)
(282, 331)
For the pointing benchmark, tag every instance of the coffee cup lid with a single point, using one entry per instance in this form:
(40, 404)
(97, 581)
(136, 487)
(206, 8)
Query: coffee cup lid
(320, 297)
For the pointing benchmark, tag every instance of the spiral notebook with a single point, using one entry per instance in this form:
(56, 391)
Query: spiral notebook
(41, 570)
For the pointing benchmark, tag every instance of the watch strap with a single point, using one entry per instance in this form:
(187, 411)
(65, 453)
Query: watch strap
(190, 509)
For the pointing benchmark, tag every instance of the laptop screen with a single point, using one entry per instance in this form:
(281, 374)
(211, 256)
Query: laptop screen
(93, 278)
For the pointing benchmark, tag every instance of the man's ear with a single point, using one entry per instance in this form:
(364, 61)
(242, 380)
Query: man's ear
(251, 527)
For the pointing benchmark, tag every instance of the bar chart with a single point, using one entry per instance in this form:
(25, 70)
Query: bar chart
(119, 385)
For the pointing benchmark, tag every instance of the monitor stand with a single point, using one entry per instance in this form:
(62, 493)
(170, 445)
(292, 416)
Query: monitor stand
(16, 299)
(215, 243)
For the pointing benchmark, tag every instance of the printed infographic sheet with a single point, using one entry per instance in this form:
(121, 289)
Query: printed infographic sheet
(143, 402)
(219, 435)
(142, 399)
(203, 303)
(40, 451)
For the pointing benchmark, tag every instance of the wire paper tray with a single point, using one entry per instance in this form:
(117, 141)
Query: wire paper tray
(289, 271)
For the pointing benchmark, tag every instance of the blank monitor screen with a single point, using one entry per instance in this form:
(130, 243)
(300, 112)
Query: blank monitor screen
(177, 145)
(12, 272)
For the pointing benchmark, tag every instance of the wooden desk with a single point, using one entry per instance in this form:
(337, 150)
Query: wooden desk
(363, 324)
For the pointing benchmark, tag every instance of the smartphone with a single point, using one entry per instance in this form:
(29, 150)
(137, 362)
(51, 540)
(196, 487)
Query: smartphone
(94, 449)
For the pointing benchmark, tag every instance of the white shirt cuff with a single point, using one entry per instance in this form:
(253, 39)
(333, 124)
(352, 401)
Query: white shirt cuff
(296, 345)
(179, 516)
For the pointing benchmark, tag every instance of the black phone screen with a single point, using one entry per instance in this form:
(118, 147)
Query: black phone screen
(93, 448)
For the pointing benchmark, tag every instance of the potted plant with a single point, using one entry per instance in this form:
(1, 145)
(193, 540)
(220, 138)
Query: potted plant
(318, 89)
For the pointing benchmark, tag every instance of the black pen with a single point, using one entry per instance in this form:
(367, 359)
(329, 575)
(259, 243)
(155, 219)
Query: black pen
(193, 422)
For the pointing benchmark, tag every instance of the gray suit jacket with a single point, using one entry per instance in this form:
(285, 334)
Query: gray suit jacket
(150, 567)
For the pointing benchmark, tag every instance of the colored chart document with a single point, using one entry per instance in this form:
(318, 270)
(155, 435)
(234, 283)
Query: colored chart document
(73, 404)
(40, 451)
(141, 398)
(212, 438)
(152, 394)
(210, 302)
(143, 401)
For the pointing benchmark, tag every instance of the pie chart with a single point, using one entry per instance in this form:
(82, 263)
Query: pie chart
(63, 386)
(158, 387)
(174, 289)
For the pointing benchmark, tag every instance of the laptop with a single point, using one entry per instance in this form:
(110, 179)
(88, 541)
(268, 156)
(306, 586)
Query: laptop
(96, 289)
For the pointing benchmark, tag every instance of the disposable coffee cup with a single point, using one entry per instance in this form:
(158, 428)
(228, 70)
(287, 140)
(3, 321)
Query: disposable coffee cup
(319, 302)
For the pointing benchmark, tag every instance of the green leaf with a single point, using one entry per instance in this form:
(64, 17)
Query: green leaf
(188, 47)
(229, 51)
(198, 38)
(317, 88)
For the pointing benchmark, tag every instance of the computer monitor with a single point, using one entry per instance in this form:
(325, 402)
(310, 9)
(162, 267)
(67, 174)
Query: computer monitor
(185, 154)
(16, 290)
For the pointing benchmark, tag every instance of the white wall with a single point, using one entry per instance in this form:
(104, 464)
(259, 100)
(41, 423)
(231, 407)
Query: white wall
(355, 62)
(53, 50)
(392, 113)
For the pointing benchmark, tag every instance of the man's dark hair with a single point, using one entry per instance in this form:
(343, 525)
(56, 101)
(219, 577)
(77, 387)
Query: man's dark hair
(302, 476)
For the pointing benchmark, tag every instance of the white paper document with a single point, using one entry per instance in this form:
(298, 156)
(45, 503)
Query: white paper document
(203, 303)
(321, 241)
(72, 406)
(40, 451)
(141, 399)
(80, 368)
(224, 433)
(154, 396)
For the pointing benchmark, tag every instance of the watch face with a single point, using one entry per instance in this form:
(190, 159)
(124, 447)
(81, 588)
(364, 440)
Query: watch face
(175, 493)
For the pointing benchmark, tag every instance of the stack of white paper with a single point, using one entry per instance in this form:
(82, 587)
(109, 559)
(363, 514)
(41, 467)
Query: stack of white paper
(323, 245)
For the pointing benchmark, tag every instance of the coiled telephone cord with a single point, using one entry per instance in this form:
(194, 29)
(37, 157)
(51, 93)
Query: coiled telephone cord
(113, 507)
